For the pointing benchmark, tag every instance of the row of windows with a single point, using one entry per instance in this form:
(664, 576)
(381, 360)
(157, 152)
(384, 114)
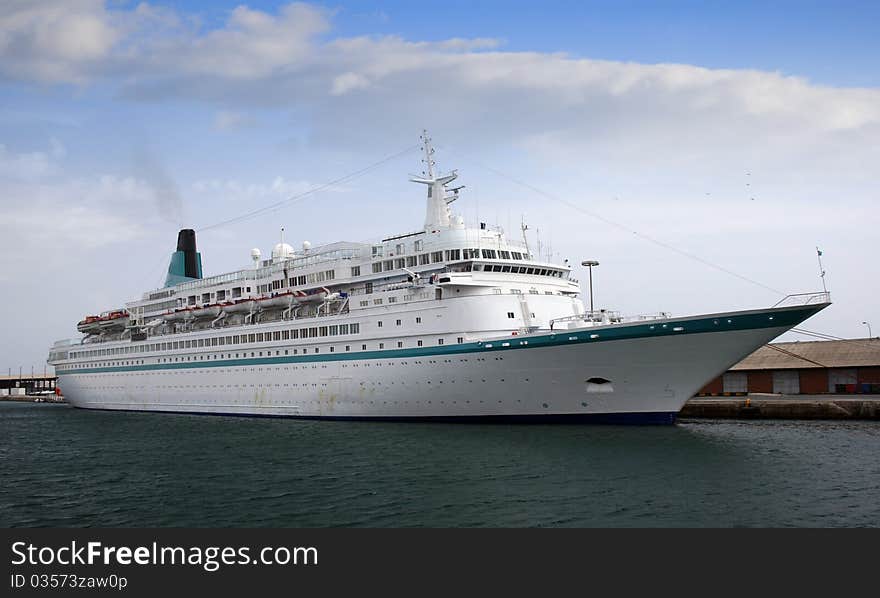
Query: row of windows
(519, 270)
(219, 341)
(245, 355)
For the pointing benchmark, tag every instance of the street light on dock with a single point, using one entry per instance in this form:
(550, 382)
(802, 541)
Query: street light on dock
(868, 324)
(589, 264)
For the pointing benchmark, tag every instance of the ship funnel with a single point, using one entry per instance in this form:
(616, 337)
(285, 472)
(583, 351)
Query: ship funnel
(186, 262)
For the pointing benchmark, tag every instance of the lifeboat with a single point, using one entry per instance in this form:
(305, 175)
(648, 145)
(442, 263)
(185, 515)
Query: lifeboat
(318, 295)
(206, 311)
(241, 306)
(89, 325)
(178, 315)
(279, 300)
(115, 320)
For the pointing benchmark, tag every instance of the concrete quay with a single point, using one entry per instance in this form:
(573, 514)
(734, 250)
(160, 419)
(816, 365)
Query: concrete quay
(769, 406)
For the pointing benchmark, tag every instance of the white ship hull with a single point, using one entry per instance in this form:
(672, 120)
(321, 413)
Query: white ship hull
(652, 369)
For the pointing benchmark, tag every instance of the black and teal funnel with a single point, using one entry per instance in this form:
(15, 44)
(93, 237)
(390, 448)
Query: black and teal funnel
(186, 262)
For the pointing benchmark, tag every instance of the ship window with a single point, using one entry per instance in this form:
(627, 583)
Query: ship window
(381, 345)
(334, 330)
(417, 246)
(377, 301)
(418, 320)
(436, 256)
(377, 267)
(276, 336)
(343, 329)
(191, 300)
(380, 323)
(505, 268)
(460, 340)
(322, 331)
(235, 339)
(398, 322)
(510, 315)
(399, 344)
(388, 265)
(294, 334)
(398, 249)
(368, 287)
(419, 343)
(424, 259)
(392, 299)
(355, 270)
(332, 349)
(285, 335)
(355, 328)
(363, 347)
(453, 254)
(214, 342)
(313, 332)
(252, 338)
(516, 255)
(259, 337)
(478, 267)
(516, 291)
(316, 349)
(411, 261)
(439, 341)
(348, 347)
(505, 255)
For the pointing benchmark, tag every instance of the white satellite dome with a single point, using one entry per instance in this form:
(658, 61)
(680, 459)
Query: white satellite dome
(255, 254)
(282, 251)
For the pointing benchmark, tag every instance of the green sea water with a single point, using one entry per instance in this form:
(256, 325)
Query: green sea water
(61, 466)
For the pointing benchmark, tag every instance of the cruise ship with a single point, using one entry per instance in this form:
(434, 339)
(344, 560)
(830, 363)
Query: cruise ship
(447, 322)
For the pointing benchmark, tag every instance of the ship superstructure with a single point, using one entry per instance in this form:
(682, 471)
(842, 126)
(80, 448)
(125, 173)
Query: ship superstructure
(446, 322)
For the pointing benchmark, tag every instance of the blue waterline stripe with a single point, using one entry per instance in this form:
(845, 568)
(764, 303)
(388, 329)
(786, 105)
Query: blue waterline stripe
(624, 418)
(770, 318)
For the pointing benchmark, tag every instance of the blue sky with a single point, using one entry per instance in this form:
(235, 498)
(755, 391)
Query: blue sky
(830, 42)
(120, 122)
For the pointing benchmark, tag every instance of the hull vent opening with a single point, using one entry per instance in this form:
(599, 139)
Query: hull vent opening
(599, 385)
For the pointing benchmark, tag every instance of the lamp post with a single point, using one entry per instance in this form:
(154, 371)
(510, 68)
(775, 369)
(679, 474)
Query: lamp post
(589, 264)
(868, 324)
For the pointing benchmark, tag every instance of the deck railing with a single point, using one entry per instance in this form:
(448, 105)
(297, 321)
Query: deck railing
(804, 299)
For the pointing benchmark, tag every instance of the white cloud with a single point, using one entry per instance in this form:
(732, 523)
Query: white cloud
(225, 120)
(55, 40)
(30, 165)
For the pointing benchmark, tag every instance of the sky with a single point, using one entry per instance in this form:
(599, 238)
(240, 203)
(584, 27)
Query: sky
(700, 151)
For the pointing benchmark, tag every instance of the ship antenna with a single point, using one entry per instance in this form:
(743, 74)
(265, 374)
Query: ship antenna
(821, 269)
(437, 213)
(429, 153)
(524, 227)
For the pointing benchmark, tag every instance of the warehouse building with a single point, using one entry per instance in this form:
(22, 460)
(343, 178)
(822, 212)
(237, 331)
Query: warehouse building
(26, 384)
(813, 367)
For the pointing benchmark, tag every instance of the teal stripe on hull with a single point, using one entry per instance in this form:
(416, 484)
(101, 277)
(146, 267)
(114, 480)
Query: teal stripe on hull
(771, 318)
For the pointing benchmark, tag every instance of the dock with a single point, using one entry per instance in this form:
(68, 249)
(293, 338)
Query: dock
(770, 406)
